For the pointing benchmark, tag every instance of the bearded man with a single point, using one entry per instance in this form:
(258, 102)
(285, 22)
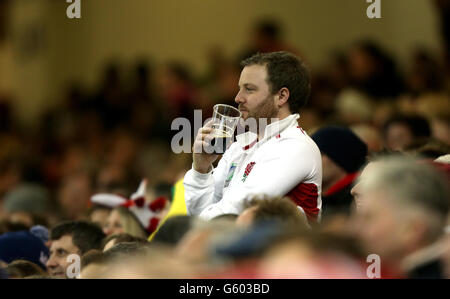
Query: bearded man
(280, 160)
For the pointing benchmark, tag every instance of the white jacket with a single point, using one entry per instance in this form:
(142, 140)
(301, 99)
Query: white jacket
(285, 162)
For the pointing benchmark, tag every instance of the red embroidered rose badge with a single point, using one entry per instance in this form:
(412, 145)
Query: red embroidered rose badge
(248, 169)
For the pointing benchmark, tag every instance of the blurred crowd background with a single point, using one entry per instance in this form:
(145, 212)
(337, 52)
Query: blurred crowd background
(86, 105)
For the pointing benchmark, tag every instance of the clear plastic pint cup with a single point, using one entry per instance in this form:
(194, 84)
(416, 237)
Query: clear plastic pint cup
(224, 122)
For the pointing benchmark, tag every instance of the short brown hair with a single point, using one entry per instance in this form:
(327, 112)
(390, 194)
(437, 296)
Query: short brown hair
(23, 268)
(120, 238)
(285, 70)
(279, 209)
(93, 256)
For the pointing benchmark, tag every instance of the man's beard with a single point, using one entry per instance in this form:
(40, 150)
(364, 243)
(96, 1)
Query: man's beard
(266, 109)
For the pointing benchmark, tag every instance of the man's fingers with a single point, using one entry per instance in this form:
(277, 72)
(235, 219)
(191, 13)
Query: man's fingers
(205, 135)
(209, 124)
(208, 137)
(202, 142)
(202, 147)
(206, 130)
(198, 147)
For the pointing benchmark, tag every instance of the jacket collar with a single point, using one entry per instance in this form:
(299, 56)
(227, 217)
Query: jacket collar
(249, 139)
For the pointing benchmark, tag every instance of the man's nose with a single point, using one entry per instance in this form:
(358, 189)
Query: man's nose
(107, 230)
(354, 191)
(239, 99)
(51, 262)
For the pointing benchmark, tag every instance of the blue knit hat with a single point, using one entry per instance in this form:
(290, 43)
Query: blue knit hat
(41, 232)
(342, 146)
(23, 245)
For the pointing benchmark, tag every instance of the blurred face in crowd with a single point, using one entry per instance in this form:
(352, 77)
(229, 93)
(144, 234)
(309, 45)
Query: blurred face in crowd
(388, 228)
(292, 259)
(114, 224)
(331, 172)
(357, 189)
(296, 259)
(122, 150)
(194, 246)
(377, 225)
(100, 217)
(362, 65)
(254, 97)
(74, 195)
(9, 176)
(398, 137)
(60, 249)
(371, 137)
(110, 174)
(441, 130)
(22, 217)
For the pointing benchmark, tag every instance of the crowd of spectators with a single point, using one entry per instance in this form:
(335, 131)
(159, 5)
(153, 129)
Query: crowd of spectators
(383, 130)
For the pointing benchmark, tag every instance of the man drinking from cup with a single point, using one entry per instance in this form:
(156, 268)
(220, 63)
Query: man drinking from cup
(279, 160)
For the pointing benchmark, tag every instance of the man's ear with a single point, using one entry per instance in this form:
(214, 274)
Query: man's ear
(283, 96)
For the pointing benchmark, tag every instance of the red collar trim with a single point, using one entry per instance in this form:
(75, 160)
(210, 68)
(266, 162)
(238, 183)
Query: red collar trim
(342, 183)
(250, 145)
